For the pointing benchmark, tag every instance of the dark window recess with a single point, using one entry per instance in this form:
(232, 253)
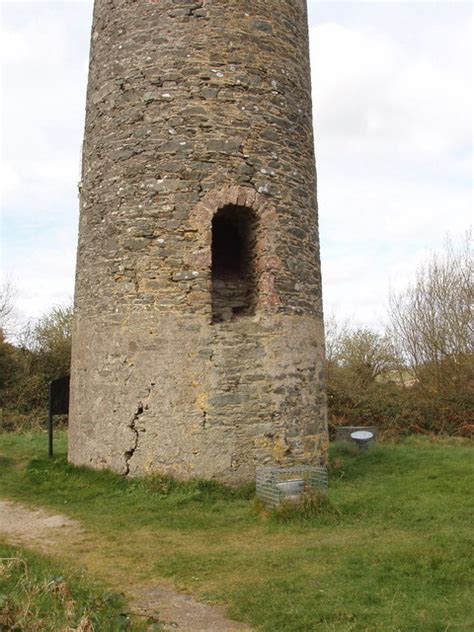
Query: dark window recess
(233, 263)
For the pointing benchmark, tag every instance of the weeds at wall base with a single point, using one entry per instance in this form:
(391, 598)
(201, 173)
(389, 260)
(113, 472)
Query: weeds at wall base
(312, 505)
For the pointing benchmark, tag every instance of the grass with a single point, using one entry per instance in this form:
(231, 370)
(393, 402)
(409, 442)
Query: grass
(37, 596)
(391, 551)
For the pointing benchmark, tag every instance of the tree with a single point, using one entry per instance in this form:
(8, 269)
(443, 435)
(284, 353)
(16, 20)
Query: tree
(43, 353)
(9, 365)
(7, 296)
(9, 368)
(50, 341)
(366, 355)
(357, 355)
(334, 333)
(432, 320)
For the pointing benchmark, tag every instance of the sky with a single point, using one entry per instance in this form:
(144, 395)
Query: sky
(392, 98)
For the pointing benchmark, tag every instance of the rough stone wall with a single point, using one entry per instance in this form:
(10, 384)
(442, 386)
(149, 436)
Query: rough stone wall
(193, 107)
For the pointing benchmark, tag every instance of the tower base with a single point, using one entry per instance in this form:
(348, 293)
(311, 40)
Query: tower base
(174, 394)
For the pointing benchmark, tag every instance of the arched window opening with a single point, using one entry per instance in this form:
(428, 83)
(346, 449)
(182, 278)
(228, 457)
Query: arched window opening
(233, 263)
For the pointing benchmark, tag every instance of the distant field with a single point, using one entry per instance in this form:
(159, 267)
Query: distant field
(392, 552)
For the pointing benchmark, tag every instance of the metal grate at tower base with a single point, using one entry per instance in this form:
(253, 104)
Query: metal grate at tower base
(278, 484)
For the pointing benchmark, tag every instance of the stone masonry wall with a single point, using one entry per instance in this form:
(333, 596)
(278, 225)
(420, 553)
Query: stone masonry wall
(192, 107)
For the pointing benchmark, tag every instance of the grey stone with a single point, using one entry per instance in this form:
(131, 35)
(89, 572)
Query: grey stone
(185, 276)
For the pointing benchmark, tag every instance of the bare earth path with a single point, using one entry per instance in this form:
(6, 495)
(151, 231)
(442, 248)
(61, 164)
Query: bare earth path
(60, 536)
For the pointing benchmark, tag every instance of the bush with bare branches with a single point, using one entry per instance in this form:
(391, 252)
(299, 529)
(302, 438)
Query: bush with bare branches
(432, 321)
(7, 306)
(419, 375)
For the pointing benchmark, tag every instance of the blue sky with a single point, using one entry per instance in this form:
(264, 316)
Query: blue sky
(392, 90)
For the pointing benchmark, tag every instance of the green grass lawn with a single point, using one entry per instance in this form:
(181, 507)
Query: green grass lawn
(392, 552)
(37, 596)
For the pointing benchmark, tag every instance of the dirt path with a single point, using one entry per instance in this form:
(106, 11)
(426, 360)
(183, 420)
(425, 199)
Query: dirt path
(50, 534)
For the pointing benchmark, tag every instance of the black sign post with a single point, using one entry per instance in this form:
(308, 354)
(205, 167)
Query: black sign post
(58, 404)
(50, 420)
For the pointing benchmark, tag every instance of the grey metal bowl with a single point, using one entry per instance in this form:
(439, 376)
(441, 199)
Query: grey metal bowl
(362, 438)
(291, 489)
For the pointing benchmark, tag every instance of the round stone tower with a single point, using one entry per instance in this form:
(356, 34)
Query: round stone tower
(198, 340)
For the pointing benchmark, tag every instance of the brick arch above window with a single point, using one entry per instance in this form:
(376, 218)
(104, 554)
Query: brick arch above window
(268, 263)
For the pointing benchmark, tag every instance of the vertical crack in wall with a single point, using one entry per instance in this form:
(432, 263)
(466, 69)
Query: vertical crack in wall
(132, 425)
(141, 408)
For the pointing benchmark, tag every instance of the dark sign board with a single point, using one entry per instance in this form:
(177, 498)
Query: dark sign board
(59, 394)
(58, 405)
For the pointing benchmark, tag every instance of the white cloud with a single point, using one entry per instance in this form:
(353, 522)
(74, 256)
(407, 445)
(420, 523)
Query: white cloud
(14, 47)
(372, 89)
(375, 234)
(57, 170)
(43, 112)
(45, 55)
(41, 265)
(49, 2)
(393, 141)
(11, 181)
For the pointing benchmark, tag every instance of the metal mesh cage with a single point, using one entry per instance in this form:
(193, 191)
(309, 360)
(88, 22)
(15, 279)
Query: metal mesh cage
(275, 484)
